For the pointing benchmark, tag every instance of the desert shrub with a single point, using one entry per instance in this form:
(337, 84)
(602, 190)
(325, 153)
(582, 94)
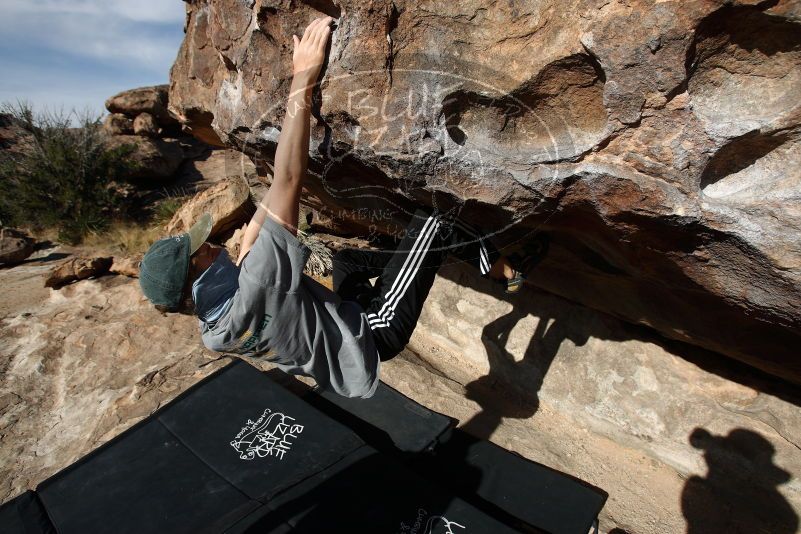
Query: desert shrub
(122, 236)
(62, 176)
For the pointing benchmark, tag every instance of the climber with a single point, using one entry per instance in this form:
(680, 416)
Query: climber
(263, 305)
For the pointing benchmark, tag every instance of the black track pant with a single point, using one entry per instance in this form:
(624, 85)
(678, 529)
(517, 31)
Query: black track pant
(406, 274)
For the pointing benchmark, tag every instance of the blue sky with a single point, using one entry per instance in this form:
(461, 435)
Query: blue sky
(76, 53)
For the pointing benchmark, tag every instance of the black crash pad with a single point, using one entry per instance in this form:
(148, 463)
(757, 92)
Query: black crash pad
(388, 418)
(201, 463)
(25, 515)
(255, 433)
(501, 482)
(526, 494)
(147, 481)
(260, 521)
(369, 493)
(239, 453)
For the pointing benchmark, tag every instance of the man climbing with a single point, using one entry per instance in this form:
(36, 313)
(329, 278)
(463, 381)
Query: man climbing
(263, 305)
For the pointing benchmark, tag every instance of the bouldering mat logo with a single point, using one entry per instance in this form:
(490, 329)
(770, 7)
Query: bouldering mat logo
(272, 434)
(426, 523)
(441, 525)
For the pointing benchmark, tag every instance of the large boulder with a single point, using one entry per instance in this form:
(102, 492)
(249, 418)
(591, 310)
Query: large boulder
(227, 201)
(75, 269)
(152, 101)
(15, 246)
(131, 103)
(658, 142)
(233, 244)
(216, 165)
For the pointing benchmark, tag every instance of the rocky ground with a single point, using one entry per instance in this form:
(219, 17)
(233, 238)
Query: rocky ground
(680, 438)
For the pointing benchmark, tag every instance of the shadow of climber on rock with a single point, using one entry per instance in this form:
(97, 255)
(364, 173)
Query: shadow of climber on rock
(511, 388)
(739, 493)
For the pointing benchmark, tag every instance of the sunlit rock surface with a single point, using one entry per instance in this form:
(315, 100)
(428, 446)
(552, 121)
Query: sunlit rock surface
(658, 142)
(680, 438)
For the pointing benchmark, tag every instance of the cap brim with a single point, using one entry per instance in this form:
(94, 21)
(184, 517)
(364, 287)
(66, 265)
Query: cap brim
(199, 232)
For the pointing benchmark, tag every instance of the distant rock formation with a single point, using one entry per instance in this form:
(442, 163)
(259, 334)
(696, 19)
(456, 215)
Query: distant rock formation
(658, 142)
(167, 159)
(139, 117)
(145, 105)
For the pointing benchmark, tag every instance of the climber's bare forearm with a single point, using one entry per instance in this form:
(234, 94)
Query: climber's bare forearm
(282, 200)
(291, 156)
(253, 227)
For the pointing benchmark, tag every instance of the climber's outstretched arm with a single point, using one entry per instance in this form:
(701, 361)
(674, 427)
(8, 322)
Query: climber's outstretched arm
(291, 157)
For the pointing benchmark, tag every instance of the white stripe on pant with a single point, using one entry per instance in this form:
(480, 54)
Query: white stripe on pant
(484, 257)
(410, 267)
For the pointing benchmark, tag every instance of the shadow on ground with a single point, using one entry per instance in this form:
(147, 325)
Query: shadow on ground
(511, 388)
(739, 493)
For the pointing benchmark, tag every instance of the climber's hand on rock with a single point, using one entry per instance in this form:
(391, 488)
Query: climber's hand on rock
(309, 51)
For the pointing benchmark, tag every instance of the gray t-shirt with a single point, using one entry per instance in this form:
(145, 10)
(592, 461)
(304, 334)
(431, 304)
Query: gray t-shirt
(284, 315)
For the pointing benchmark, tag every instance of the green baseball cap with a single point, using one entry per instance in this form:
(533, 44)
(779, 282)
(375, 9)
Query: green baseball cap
(165, 266)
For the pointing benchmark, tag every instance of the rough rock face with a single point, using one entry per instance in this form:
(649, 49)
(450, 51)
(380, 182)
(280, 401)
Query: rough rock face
(126, 265)
(118, 124)
(217, 165)
(75, 269)
(15, 246)
(80, 365)
(659, 142)
(227, 201)
(145, 124)
(707, 421)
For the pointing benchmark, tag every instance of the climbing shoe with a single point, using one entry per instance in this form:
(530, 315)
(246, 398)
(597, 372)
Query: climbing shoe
(525, 260)
(514, 283)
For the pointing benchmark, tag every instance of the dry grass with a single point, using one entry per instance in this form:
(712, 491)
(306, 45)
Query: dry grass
(127, 238)
(119, 237)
